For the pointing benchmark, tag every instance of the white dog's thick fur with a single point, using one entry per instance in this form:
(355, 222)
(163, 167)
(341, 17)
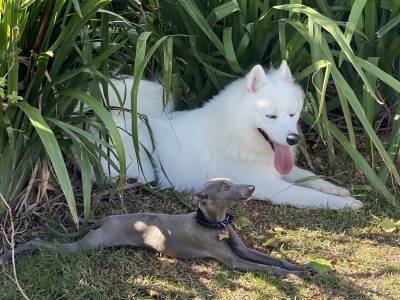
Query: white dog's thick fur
(230, 136)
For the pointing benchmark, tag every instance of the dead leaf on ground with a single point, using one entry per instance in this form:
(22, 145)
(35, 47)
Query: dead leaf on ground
(321, 266)
(278, 229)
(388, 225)
(154, 294)
(271, 243)
(242, 222)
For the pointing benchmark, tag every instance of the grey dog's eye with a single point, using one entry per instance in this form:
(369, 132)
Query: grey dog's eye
(271, 116)
(226, 187)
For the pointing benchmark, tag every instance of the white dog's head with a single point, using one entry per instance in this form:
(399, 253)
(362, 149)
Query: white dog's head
(275, 102)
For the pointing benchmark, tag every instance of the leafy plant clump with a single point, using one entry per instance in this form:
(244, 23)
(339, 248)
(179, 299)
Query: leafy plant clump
(48, 60)
(344, 53)
(56, 58)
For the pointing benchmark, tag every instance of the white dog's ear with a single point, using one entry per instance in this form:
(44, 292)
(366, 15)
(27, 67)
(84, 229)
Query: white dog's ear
(255, 79)
(285, 72)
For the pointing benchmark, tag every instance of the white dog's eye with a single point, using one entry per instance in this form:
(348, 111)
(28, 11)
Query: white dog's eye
(271, 116)
(291, 115)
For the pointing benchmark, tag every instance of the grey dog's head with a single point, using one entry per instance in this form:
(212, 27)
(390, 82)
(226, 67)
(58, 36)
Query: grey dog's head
(221, 193)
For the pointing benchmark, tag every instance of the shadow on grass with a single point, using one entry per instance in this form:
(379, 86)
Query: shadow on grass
(334, 286)
(125, 273)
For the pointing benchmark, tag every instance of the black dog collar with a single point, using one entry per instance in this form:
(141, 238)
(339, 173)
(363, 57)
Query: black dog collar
(206, 222)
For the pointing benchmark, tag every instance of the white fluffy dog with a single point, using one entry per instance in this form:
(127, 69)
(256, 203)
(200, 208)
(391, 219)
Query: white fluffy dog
(247, 132)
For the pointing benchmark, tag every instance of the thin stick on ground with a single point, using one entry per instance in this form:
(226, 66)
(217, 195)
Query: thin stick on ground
(12, 244)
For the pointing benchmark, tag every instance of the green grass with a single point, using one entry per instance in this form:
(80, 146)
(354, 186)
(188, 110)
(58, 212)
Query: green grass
(365, 259)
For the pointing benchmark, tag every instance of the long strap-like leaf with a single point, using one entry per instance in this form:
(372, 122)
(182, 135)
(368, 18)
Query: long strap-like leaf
(106, 118)
(54, 152)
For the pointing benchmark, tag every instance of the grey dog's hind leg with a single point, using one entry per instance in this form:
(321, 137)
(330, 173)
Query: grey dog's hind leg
(240, 249)
(28, 247)
(76, 234)
(101, 237)
(95, 239)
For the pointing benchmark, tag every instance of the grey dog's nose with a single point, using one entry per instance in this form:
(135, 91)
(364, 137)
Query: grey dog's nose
(292, 139)
(251, 188)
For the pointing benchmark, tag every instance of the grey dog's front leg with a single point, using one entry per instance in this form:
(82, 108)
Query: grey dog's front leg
(252, 255)
(225, 255)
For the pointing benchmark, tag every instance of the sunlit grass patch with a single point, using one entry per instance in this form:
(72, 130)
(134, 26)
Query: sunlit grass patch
(365, 261)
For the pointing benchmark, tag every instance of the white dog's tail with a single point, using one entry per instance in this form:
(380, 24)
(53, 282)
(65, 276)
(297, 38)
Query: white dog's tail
(149, 101)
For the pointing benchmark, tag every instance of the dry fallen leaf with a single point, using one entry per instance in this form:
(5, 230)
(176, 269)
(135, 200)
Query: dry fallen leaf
(279, 229)
(388, 225)
(270, 243)
(320, 265)
(153, 294)
(242, 222)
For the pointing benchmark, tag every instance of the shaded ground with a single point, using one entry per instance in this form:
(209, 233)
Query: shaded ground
(366, 260)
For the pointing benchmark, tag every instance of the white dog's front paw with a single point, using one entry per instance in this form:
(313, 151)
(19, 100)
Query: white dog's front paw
(335, 190)
(336, 202)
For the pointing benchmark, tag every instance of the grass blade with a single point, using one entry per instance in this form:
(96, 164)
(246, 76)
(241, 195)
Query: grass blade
(53, 151)
(86, 184)
(140, 64)
(336, 33)
(394, 143)
(141, 60)
(167, 70)
(106, 118)
(342, 84)
(222, 11)
(388, 26)
(197, 17)
(229, 51)
(362, 164)
(370, 108)
(351, 24)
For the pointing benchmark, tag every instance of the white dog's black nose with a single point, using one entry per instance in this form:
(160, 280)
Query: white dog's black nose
(292, 139)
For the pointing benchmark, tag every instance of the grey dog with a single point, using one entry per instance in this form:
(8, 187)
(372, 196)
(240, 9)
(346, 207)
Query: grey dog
(206, 233)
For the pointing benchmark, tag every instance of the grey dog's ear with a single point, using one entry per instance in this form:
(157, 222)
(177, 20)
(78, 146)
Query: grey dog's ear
(197, 198)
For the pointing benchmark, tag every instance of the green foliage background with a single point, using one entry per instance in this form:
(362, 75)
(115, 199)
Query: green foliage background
(344, 53)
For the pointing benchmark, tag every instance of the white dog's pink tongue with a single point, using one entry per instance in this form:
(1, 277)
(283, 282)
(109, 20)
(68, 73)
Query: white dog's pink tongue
(283, 158)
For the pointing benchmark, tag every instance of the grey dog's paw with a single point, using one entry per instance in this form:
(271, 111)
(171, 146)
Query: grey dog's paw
(335, 190)
(309, 270)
